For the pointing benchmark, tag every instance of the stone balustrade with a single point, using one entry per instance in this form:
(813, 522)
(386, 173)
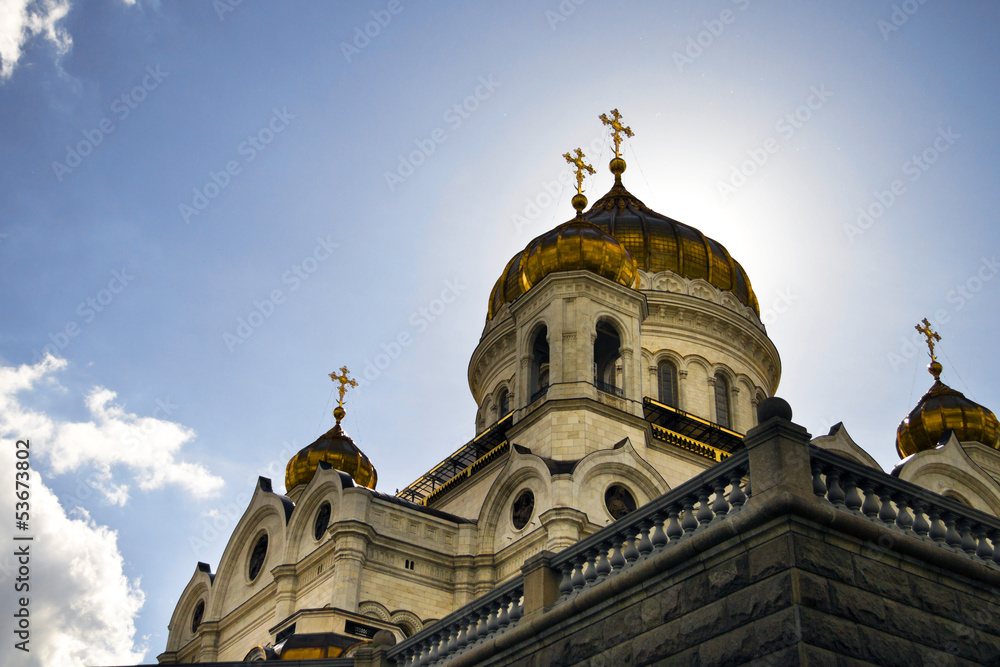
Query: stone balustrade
(653, 528)
(904, 507)
(458, 632)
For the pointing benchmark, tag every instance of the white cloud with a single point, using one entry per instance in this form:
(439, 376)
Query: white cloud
(82, 607)
(23, 20)
(112, 441)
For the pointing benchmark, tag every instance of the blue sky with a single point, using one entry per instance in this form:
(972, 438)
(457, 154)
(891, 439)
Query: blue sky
(171, 170)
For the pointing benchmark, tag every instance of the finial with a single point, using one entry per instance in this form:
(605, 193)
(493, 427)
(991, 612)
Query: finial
(579, 201)
(617, 129)
(934, 367)
(345, 381)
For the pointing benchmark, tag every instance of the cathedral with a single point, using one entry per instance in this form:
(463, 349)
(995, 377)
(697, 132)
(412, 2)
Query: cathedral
(624, 383)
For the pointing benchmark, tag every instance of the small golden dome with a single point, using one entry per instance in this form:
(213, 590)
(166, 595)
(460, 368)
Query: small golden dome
(944, 409)
(576, 245)
(337, 449)
(655, 242)
(333, 447)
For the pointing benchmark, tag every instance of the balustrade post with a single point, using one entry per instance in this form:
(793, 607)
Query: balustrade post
(541, 583)
(778, 453)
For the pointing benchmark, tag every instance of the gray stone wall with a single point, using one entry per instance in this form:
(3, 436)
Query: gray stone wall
(788, 592)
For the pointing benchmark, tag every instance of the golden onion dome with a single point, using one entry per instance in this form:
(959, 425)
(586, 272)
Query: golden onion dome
(655, 242)
(576, 245)
(944, 409)
(335, 448)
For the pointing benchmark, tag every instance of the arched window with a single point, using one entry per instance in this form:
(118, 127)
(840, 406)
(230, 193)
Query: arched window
(504, 403)
(667, 379)
(539, 365)
(722, 401)
(607, 359)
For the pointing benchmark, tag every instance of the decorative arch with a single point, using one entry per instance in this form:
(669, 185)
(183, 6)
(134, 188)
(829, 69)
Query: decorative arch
(327, 485)
(503, 396)
(267, 512)
(642, 477)
(407, 621)
(700, 362)
(373, 609)
(198, 589)
(520, 471)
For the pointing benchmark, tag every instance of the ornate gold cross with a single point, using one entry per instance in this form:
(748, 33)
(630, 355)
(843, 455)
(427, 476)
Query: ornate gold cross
(345, 382)
(930, 335)
(581, 166)
(617, 129)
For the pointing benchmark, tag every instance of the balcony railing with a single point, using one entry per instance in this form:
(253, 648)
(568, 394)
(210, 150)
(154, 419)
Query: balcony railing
(609, 388)
(538, 394)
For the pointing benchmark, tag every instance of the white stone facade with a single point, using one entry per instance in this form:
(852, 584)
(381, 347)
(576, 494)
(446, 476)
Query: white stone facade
(573, 359)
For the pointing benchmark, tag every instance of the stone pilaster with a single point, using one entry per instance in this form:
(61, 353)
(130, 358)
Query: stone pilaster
(351, 540)
(209, 631)
(286, 582)
(564, 527)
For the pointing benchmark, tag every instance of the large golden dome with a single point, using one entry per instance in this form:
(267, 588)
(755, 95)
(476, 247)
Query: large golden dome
(944, 409)
(655, 242)
(335, 448)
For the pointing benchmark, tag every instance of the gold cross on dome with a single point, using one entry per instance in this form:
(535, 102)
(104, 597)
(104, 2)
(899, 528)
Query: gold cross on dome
(930, 335)
(581, 166)
(617, 129)
(345, 382)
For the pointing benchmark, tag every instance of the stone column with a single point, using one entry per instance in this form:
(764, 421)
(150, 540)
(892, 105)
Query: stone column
(654, 383)
(735, 413)
(682, 389)
(286, 585)
(554, 334)
(713, 409)
(523, 382)
(629, 377)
